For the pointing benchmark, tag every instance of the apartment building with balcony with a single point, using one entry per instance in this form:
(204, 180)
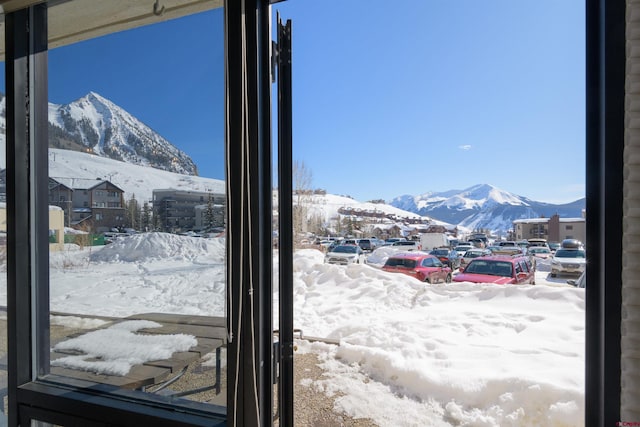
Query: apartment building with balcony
(177, 211)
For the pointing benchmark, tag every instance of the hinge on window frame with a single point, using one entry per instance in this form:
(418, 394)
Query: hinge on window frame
(275, 54)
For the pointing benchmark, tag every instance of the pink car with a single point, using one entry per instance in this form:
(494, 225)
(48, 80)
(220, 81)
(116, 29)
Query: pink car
(499, 269)
(541, 252)
(426, 268)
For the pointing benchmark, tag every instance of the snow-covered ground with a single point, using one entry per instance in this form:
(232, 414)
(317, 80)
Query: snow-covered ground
(411, 354)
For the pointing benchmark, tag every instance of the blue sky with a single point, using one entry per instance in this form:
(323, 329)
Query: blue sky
(430, 95)
(438, 95)
(169, 75)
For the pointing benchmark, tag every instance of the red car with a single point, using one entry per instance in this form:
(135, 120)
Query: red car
(500, 269)
(424, 267)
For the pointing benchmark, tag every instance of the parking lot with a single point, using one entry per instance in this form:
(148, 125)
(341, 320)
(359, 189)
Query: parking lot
(543, 268)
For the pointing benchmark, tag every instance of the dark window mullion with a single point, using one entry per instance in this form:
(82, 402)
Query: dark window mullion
(249, 213)
(39, 142)
(27, 198)
(605, 96)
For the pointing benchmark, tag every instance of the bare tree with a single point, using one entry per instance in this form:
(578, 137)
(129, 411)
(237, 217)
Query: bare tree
(132, 213)
(302, 179)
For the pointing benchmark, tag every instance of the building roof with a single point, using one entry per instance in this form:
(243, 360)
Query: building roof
(179, 191)
(53, 183)
(531, 221)
(545, 220)
(84, 183)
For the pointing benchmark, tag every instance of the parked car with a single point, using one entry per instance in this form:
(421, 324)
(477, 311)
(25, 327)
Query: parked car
(376, 242)
(537, 242)
(424, 267)
(471, 254)
(554, 246)
(541, 252)
(345, 254)
(480, 236)
(350, 242)
(366, 245)
(508, 247)
(333, 245)
(580, 282)
(568, 261)
(493, 248)
(572, 244)
(478, 243)
(449, 257)
(537, 253)
(499, 269)
(392, 240)
(461, 248)
(407, 245)
(326, 243)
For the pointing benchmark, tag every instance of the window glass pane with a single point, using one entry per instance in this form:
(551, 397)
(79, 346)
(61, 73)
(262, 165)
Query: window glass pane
(137, 203)
(478, 85)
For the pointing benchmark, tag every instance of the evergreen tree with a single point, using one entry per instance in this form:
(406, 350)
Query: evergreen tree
(348, 225)
(209, 215)
(157, 222)
(145, 219)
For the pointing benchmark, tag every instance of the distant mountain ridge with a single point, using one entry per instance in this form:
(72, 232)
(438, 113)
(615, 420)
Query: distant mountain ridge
(484, 206)
(93, 124)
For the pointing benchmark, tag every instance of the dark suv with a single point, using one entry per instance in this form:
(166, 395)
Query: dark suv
(366, 245)
(449, 257)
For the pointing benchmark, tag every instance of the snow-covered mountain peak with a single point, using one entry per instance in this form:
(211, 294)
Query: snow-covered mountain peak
(96, 96)
(95, 124)
(102, 105)
(476, 197)
(483, 194)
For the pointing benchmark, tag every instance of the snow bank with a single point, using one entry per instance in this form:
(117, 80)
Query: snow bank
(157, 246)
(411, 354)
(474, 354)
(379, 256)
